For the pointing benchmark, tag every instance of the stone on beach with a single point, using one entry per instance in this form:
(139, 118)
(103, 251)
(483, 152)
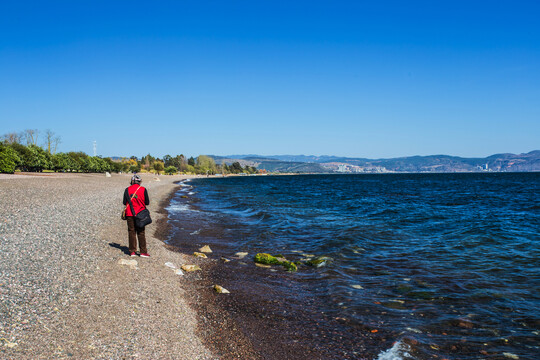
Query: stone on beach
(221, 290)
(225, 260)
(205, 249)
(8, 343)
(241, 255)
(201, 255)
(190, 268)
(131, 263)
(179, 272)
(170, 264)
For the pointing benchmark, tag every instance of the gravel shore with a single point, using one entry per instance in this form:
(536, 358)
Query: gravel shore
(63, 293)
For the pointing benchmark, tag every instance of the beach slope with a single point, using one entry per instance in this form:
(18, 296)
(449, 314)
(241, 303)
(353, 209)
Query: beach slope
(64, 292)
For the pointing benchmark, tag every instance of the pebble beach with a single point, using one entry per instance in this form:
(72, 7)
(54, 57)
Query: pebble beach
(64, 290)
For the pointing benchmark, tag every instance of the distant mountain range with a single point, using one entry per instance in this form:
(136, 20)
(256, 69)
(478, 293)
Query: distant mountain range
(434, 163)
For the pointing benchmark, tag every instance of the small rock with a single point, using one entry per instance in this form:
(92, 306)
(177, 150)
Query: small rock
(221, 290)
(190, 268)
(156, 179)
(8, 343)
(184, 196)
(357, 287)
(241, 255)
(131, 263)
(319, 261)
(263, 265)
(107, 174)
(179, 272)
(205, 249)
(465, 324)
(225, 260)
(170, 264)
(201, 255)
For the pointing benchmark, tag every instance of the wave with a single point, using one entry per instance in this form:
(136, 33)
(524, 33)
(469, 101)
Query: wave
(399, 351)
(176, 208)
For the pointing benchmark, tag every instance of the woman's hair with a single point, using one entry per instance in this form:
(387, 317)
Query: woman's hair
(135, 179)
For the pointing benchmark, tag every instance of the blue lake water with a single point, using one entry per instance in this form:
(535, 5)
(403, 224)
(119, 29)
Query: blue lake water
(447, 265)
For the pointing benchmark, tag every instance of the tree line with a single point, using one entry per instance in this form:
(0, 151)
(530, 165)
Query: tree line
(22, 152)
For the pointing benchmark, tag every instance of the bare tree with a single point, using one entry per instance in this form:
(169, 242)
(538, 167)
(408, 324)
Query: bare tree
(31, 136)
(51, 141)
(12, 138)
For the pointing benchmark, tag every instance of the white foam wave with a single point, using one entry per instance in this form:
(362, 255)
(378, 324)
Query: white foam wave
(399, 351)
(191, 193)
(178, 208)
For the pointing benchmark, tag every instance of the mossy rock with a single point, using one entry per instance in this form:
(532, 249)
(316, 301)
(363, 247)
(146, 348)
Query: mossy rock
(319, 261)
(289, 265)
(267, 259)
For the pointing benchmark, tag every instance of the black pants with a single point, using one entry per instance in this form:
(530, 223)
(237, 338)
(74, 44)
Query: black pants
(134, 233)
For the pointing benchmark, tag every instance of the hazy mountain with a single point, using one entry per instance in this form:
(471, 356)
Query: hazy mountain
(432, 163)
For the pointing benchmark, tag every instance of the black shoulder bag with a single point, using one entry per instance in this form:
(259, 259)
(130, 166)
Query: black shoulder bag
(143, 217)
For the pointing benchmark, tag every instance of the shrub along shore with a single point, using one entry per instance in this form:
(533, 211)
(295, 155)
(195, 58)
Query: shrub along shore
(33, 158)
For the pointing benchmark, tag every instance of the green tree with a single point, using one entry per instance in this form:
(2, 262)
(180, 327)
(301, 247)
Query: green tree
(236, 168)
(170, 170)
(205, 164)
(33, 158)
(191, 161)
(9, 159)
(79, 161)
(61, 162)
(158, 166)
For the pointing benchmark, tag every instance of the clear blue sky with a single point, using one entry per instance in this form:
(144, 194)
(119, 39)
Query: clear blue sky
(350, 78)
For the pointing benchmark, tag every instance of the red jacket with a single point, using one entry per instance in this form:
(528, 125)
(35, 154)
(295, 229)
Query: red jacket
(139, 200)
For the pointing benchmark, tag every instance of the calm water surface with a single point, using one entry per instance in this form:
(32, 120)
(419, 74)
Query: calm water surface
(449, 264)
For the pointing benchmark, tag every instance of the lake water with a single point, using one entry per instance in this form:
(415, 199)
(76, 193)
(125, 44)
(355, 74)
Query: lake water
(436, 265)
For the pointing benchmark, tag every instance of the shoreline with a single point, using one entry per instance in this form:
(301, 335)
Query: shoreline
(216, 329)
(259, 313)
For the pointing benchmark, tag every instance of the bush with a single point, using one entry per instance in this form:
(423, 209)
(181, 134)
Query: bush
(9, 160)
(171, 170)
(33, 158)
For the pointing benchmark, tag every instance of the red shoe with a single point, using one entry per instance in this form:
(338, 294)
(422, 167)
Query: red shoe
(144, 255)
(132, 254)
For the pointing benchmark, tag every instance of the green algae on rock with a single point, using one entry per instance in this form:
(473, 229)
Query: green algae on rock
(319, 261)
(267, 259)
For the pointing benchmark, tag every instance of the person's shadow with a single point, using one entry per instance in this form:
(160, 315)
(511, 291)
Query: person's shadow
(123, 248)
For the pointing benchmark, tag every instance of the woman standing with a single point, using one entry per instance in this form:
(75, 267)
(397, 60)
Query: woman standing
(139, 198)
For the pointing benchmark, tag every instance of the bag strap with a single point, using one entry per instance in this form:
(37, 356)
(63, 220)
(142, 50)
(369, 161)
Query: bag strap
(130, 203)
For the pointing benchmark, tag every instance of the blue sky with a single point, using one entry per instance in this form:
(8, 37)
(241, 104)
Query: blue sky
(350, 78)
